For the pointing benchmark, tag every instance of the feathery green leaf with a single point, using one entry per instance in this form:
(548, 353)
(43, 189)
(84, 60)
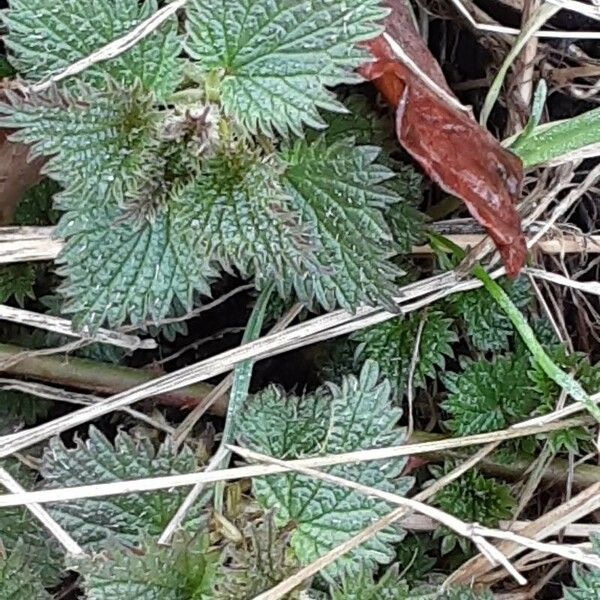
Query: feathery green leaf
(17, 581)
(587, 581)
(488, 395)
(472, 498)
(17, 281)
(488, 327)
(392, 344)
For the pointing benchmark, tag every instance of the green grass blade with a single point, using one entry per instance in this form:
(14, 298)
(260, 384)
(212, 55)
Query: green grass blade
(560, 140)
(552, 370)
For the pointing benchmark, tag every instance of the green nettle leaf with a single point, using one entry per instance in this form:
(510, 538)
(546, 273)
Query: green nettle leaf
(337, 191)
(357, 414)
(392, 344)
(255, 565)
(46, 36)
(123, 517)
(577, 363)
(17, 581)
(98, 144)
(587, 581)
(473, 498)
(274, 59)
(237, 212)
(364, 587)
(19, 532)
(487, 327)
(489, 394)
(117, 268)
(185, 570)
(17, 281)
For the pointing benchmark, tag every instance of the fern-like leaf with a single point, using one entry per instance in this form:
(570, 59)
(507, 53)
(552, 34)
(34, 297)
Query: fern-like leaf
(337, 191)
(275, 59)
(357, 414)
(364, 587)
(122, 517)
(17, 581)
(473, 498)
(392, 344)
(17, 281)
(487, 327)
(488, 395)
(183, 571)
(17, 409)
(587, 581)
(35, 206)
(46, 36)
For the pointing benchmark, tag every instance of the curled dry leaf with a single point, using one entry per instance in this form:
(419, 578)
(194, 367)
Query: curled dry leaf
(460, 156)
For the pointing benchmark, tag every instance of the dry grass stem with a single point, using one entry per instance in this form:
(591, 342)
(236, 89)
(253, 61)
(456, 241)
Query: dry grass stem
(22, 244)
(64, 539)
(546, 33)
(59, 395)
(472, 531)
(590, 287)
(65, 327)
(547, 525)
(318, 329)
(186, 426)
(38, 244)
(114, 48)
(476, 533)
(395, 515)
(187, 479)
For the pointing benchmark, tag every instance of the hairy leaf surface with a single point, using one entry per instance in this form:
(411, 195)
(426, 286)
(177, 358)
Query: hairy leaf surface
(392, 344)
(123, 517)
(337, 191)
(98, 143)
(487, 327)
(239, 213)
(489, 394)
(182, 571)
(275, 58)
(357, 414)
(46, 36)
(118, 269)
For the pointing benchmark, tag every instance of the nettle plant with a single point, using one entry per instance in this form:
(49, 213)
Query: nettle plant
(227, 141)
(205, 148)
